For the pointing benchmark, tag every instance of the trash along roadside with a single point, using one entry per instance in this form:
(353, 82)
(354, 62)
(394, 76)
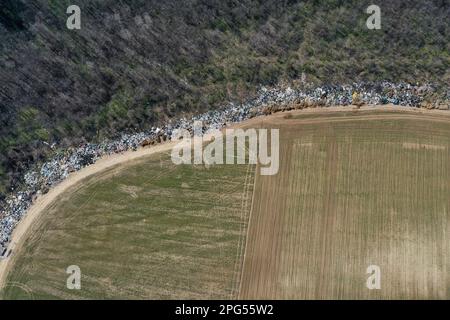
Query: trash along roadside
(39, 180)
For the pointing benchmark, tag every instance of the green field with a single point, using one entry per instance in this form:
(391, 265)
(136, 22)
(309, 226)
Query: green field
(153, 231)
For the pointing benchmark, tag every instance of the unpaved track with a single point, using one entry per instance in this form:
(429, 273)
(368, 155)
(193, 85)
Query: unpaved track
(73, 179)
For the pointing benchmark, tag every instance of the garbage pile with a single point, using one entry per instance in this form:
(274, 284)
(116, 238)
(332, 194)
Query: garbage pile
(40, 180)
(368, 93)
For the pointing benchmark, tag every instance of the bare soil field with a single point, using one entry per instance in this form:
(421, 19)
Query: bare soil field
(353, 190)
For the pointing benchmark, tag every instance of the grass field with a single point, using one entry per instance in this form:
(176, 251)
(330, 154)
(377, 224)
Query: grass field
(153, 231)
(353, 190)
